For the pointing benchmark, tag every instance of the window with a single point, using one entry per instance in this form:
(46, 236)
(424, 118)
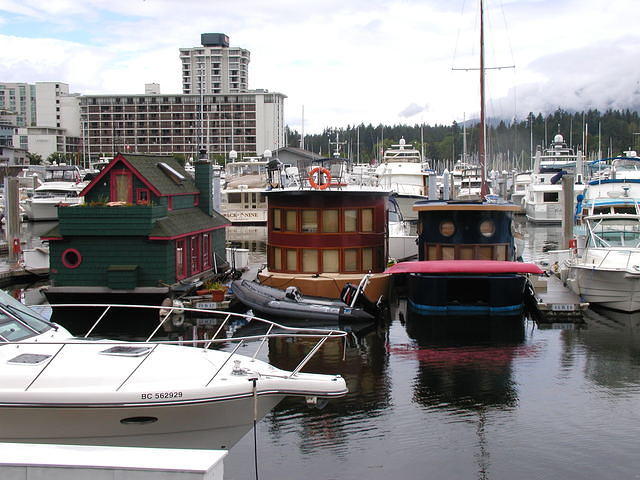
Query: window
(330, 221)
(277, 258)
(181, 259)
(550, 197)
(350, 260)
(367, 259)
(121, 186)
(292, 260)
(331, 261)
(276, 219)
(447, 228)
(487, 228)
(142, 196)
(310, 261)
(195, 254)
(290, 220)
(309, 220)
(367, 219)
(71, 258)
(206, 251)
(351, 220)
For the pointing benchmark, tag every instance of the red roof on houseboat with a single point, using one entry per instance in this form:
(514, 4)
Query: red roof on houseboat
(464, 266)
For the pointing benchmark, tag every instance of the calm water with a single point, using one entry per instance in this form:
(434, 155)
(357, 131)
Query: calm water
(503, 402)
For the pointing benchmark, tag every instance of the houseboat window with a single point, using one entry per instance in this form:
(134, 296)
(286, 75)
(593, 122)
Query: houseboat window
(310, 261)
(290, 220)
(195, 254)
(277, 258)
(501, 252)
(548, 197)
(367, 259)
(367, 219)
(487, 228)
(330, 221)
(181, 254)
(292, 260)
(485, 252)
(432, 252)
(331, 261)
(351, 220)
(448, 253)
(71, 258)
(142, 196)
(350, 260)
(447, 228)
(121, 186)
(466, 253)
(206, 251)
(309, 220)
(276, 219)
(234, 197)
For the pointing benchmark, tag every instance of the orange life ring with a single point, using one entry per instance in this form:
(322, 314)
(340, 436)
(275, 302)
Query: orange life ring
(324, 171)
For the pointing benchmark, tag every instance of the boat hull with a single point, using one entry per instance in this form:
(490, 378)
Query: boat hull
(211, 425)
(467, 294)
(616, 289)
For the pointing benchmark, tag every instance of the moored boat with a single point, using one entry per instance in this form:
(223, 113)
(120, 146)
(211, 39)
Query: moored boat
(291, 303)
(58, 389)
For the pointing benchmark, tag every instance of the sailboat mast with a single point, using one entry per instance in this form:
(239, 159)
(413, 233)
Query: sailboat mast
(482, 140)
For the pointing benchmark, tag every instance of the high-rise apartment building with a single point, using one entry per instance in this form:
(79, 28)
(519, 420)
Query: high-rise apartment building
(214, 67)
(247, 122)
(21, 99)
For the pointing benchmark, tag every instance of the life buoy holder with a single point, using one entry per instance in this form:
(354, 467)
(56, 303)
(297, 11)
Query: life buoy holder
(16, 245)
(573, 245)
(320, 170)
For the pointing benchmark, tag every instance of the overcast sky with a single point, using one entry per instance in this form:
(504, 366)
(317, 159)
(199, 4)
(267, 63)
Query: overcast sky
(346, 61)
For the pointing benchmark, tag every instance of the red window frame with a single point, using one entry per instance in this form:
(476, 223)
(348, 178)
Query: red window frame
(194, 249)
(181, 273)
(206, 251)
(143, 192)
(112, 186)
(169, 203)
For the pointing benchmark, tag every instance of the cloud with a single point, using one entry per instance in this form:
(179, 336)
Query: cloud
(412, 110)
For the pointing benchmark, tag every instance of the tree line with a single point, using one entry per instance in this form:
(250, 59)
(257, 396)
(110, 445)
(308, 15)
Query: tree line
(596, 134)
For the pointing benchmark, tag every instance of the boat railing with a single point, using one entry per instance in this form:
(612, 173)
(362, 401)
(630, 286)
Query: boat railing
(274, 330)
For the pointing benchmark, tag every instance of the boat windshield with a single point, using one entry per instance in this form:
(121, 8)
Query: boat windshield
(615, 234)
(17, 321)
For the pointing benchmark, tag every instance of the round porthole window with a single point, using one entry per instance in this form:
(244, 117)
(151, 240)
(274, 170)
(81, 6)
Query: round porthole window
(71, 258)
(447, 228)
(487, 228)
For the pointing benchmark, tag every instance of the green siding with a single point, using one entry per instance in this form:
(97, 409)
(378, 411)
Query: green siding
(183, 201)
(154, 260)
(109, 221)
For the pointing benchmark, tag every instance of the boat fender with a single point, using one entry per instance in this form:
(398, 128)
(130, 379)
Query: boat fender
(325, 172)
(177, 319)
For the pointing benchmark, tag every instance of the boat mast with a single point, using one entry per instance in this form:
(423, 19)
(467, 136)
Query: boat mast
(482, 139)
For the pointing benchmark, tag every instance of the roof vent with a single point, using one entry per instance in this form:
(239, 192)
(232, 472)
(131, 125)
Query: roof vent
(125, 351)
(29, 359)
(176, 176)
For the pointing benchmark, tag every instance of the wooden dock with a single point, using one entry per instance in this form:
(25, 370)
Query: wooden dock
(556, 303)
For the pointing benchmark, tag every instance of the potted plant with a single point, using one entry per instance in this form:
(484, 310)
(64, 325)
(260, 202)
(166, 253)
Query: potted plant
(215, 289)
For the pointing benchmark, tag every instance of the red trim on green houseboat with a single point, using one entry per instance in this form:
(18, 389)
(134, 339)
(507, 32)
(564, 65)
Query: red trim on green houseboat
(175, 237)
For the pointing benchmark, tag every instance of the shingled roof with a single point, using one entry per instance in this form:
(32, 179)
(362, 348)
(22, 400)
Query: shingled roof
(184, 221)
(147, 166)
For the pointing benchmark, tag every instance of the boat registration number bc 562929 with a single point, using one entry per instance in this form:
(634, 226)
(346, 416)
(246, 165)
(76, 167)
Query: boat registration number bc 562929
(563, 307)
(160, 395)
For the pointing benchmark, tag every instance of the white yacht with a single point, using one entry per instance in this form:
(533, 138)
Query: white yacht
(520, 182)
(62, 185)
(543, 195)
(63, 390)
(467, 181)
(606, 271)
(404, 172)
(243, 200)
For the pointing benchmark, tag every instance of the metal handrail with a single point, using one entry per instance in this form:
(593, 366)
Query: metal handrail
(291, 332)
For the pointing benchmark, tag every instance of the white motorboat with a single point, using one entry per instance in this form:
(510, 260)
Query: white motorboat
(62, 185)
(543, 199)
(243, 200)
(64, 390)
(404, 172)
(606, 271)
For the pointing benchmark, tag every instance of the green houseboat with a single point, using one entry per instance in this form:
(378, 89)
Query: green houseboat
(146, 232)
